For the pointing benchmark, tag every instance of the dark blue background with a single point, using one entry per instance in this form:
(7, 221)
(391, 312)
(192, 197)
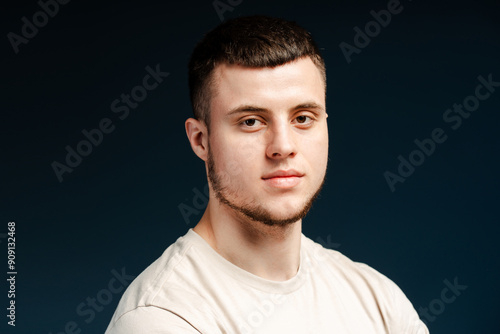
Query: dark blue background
(119, 207)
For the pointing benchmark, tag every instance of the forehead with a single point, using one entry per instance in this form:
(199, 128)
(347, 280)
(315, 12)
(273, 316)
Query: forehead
(271, 87)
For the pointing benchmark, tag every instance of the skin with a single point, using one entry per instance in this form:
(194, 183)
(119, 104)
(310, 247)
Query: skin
(263, 120)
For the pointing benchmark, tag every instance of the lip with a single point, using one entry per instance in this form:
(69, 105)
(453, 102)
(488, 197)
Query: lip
(283, 173)
(283, 179)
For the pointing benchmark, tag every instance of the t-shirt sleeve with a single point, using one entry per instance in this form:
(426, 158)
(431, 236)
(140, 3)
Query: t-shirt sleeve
(406, 319)
(151, 320)
(401, 316)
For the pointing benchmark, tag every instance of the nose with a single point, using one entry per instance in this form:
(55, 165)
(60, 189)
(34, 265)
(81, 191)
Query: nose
(281, 142)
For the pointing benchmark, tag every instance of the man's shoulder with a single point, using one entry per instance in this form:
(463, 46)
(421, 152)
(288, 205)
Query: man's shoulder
(365, 283)
(161, 287)
(150, 319)
(340, 265)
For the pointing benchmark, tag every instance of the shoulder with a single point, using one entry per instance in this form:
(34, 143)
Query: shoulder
(368, 284)
(146, 319)
(360, 277)
(339, 265)
(161, 292)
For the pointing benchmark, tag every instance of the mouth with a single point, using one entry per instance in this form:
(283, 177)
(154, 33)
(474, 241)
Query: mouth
(283, 179)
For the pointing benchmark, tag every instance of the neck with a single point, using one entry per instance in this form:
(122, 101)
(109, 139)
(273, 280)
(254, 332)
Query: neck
(270, 252)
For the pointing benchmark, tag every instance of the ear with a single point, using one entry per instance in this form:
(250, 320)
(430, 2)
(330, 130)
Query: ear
(198, 137)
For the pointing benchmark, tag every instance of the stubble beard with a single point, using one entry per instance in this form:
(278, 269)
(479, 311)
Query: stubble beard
(254, 211)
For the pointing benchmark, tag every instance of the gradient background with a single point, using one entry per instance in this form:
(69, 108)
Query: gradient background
(119, 207)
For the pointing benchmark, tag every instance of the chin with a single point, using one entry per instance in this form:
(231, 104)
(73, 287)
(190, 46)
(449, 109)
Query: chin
(294, 213)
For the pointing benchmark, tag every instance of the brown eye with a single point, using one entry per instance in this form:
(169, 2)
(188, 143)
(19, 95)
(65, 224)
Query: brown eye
(249, 122)
(301, 119)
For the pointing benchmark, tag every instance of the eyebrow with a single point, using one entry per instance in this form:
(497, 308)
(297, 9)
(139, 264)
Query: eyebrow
(251, 108)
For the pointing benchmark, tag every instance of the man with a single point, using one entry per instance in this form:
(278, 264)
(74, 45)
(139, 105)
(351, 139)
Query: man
(258, 92)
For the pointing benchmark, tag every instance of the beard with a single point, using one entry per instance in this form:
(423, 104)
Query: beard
(252, 210)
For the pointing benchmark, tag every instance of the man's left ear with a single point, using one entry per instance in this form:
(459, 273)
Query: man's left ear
(197, 134)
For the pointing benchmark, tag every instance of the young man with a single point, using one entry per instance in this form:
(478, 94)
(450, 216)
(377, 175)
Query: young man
(258, 92)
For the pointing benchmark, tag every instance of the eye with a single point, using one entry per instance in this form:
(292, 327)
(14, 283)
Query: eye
(303, 119)
(252, 123)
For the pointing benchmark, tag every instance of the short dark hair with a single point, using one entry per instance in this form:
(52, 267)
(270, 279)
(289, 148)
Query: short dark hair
(253, 41)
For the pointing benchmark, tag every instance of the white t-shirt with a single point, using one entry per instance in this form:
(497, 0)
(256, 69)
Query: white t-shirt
(193, 289)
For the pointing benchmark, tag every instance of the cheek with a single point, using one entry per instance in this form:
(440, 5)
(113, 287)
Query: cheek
(242, 149)
(316, 141)
(315, 148)
(249, 151)
(230, 159)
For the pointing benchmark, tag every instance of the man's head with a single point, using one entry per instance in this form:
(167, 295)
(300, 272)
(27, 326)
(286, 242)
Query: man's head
(262, 94)
(254, 41)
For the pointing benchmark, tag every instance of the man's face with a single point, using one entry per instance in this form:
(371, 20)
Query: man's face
(268, 142)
